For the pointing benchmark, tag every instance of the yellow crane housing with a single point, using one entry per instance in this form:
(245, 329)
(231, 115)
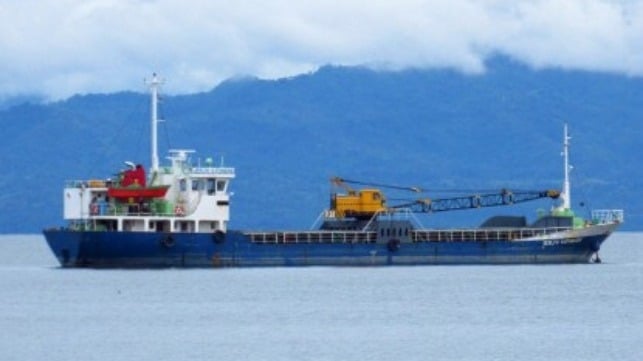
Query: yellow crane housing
(359, 204)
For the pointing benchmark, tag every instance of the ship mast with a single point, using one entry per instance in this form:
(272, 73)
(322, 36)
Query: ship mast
(566, 195)
(154, 85)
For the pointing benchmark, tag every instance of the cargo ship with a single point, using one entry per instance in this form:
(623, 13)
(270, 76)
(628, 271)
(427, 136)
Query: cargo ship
(177, 216)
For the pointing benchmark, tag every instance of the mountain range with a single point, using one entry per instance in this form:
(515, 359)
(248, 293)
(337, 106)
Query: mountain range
(434, 128)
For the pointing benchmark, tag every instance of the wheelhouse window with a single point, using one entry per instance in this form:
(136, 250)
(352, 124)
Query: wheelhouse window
(197, 184)
(210, 186)
(221, 185)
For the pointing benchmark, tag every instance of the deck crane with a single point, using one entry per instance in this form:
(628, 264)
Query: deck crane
(367, 202)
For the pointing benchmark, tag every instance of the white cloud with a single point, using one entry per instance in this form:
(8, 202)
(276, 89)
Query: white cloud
(63, 47)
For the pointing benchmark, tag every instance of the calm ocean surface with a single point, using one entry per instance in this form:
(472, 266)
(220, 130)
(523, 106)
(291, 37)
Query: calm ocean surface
(568, 312)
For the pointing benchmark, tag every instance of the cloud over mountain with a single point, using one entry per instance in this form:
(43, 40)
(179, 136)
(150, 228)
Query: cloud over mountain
(59, 48)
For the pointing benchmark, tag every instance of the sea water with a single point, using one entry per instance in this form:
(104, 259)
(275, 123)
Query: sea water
(554, 312)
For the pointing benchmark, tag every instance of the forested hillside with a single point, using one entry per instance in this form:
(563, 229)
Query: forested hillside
(437, 128)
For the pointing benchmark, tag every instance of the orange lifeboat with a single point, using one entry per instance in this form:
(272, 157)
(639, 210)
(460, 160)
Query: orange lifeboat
(133, 185)
(137, 192)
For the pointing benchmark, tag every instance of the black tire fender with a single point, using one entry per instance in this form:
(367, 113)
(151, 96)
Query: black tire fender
(218, 236)
(393, 245)
(168, 241)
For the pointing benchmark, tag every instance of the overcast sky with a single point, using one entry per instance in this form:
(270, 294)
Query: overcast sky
(62, 47)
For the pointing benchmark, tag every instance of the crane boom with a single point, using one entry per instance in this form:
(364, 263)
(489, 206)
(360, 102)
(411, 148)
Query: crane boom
(503, 198)
(366, 202)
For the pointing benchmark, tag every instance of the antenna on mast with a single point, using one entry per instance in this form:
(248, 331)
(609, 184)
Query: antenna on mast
(566, 195)
(154, 85)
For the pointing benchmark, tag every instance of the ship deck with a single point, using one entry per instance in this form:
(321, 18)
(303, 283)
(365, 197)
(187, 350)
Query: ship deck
(421, 235)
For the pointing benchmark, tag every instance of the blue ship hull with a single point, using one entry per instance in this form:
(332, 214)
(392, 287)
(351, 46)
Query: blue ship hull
(236, 249)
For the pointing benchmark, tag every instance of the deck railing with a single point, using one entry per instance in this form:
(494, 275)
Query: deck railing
(457, 235)
(491, 234)
(313, 237)
(213, 170)
(603, 216)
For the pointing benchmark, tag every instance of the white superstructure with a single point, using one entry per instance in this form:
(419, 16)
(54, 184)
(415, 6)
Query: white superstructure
(179, 197)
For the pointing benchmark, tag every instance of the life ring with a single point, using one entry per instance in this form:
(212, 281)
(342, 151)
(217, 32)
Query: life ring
(393, 245)
(168, 241)
(218, 236)
(179, 211)
(93, 209)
